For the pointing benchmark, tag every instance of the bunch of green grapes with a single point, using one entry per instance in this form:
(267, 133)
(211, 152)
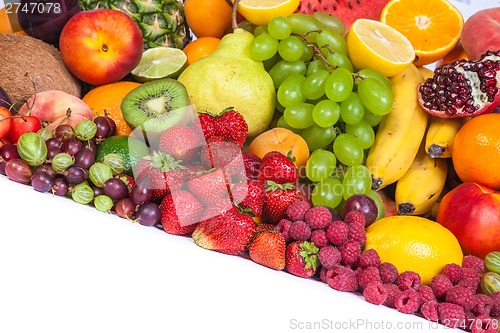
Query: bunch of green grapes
(324, 99)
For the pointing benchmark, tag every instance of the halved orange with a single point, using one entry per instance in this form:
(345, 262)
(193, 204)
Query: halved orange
(432, 26)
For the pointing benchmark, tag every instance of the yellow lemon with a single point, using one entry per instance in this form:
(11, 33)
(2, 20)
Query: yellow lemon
(373, 44)
(260, 12)
(413, 243)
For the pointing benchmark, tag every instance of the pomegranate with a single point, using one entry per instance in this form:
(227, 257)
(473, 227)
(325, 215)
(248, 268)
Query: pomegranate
(463, 88)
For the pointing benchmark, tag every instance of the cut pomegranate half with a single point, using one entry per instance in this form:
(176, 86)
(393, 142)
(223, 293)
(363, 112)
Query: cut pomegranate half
(463, 88)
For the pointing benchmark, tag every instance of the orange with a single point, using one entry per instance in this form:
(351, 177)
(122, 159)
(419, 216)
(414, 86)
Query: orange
(107, 98)
(208, 17)
(200, 48)
(432, 26)
(283, 140)
(9, 23)
(476, 151)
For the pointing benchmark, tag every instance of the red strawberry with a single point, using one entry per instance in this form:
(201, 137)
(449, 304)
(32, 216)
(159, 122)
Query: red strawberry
(268, 249)
(227, 233)
(207, 124)
(278, 198)
(252, 164)
(180, 213)
(279, 168)
(182, 142)
(128, 180)
(232, 126)
(249, 195)
(302, 258)
(160, 172)
(209, 186)
(265, 227)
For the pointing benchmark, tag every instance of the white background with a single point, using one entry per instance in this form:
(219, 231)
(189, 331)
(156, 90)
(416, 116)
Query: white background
(67, 268)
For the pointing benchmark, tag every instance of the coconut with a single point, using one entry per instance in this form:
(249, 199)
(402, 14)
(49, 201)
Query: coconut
(29, 65)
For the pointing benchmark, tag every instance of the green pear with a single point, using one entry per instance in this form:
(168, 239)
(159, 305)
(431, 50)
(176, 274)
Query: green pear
(229, 77)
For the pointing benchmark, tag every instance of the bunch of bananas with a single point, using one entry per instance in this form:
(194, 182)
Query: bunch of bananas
(412, 148)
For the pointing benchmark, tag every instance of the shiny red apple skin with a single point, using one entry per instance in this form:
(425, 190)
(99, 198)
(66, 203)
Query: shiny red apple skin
(101, 46)
(472, 213)
(481, 32)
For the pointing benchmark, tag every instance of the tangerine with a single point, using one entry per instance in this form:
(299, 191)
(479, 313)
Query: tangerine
(208, 17)
(476, 151)
(9, 23)
(107, 99)
(200, 47)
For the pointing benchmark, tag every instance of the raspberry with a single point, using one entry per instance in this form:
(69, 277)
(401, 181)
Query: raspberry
(451, 315)
(471, 279)
(283, 226)
(495, 306)
(350, 252)
(462, 296)
(318, 217)
(299, 230)
(426, 294)
(454, 272)
(367, 275)
(345, 280)
(440, 284)
(388, 272)
(483, 305)
(408, 280)
(357, 232)
(484, 324)
(476, 263)
(370, 258)
(318, 237)
(355, 216)
(375, 293)
(337, 232)
(392, 292)
(430, 310)
(329, 256)
(297, 210)
(325, 274)
(407, 301)
(469, 318)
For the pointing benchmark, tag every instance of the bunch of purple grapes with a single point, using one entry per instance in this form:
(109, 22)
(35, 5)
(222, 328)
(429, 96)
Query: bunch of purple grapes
(69, 167)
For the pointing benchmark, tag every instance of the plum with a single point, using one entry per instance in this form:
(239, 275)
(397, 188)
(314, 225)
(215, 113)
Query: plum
(44, 19)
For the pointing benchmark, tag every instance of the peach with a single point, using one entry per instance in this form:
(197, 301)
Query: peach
(472, 213)
(481, 32)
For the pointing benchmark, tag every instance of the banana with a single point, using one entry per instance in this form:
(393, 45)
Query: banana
(400, 132)
(420, 187)
(441, 134)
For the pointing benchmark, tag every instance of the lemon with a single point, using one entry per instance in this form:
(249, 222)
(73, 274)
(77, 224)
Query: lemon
(413, 243)
(260, 12)
(375, 45)
(160, 62)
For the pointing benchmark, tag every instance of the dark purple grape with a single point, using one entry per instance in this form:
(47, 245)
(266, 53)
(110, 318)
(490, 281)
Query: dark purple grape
(5, 100)
(42, 181)
(125, 208)
(92, 145)
(115, 188)
(363, 204)
(60, 186)
(51, 152)
(106, 127)
(148, 214)
(72, 146)
(45, 168)
(64, 132)
(140, 195)
(7, 152)
(18, 171)
(76, 174)
(53, 143)
(2, 168)
(97, 190)
(85, 157)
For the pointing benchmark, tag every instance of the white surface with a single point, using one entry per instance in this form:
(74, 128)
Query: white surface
(67, 268)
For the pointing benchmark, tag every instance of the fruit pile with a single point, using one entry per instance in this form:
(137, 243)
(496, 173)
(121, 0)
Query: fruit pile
(287, 134)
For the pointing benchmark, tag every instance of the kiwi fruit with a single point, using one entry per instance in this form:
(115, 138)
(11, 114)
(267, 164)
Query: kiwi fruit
(156, 106)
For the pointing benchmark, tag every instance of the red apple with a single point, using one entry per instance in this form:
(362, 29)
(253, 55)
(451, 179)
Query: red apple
(481, 32)
(101, 46)
(472, 213)
(56, 107)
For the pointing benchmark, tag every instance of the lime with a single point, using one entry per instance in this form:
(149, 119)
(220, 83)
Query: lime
(160, 62)
(129, 148)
